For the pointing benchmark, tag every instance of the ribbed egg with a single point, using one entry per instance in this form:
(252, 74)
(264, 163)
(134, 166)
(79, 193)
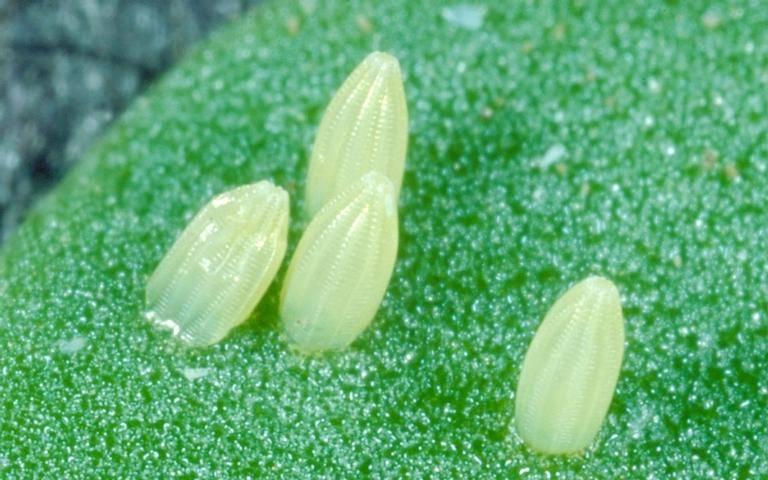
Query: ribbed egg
(364, 128)
(571, 368)
(342, 266)
(221, 264)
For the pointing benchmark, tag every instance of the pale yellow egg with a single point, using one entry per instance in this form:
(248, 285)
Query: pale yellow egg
(338, 276)
(364, 128)
(222, 263)
(571, 368)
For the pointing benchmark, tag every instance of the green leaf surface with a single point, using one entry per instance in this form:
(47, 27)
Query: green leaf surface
(622, 138)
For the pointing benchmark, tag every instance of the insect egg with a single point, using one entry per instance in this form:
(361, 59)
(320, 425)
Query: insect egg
(222, 263)
(364, 128)
(342, 266)
(571, 368)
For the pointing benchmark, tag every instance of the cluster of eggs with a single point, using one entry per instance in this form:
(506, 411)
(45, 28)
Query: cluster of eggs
(222, 263)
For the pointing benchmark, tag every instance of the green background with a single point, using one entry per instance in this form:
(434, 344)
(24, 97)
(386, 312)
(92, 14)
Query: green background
(627, 139)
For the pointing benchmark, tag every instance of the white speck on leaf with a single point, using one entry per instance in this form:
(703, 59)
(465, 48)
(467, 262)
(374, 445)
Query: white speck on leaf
(308, 6)
(648, 121)
(72, 345)
(193, 374)
(470, 17)
(711, 20)
(553, 155)
(654, 85)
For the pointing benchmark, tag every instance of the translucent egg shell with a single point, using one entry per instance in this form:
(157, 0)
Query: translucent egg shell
(342, 266)
(222, 263)
(364, 128)
(571, 368)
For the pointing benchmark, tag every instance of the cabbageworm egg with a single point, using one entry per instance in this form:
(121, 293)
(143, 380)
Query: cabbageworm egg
(571, 368)
(222, 263)
(342, 266)
(364, 128)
